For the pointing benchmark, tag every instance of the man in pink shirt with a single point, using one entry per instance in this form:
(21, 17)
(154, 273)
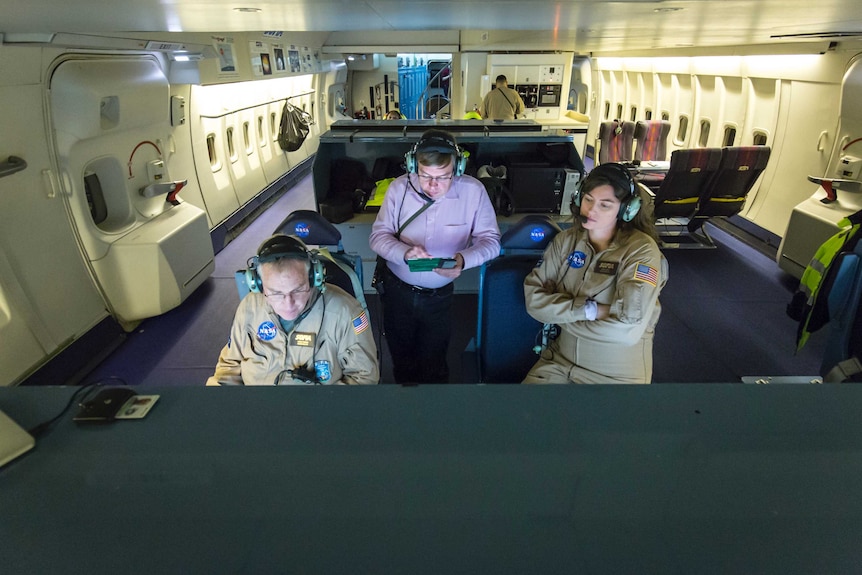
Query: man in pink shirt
(454, 219)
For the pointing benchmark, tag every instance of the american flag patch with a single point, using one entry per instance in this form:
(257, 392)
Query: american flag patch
(646, 274)
(360, 323)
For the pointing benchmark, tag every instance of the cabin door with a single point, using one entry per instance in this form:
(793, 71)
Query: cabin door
(146, 248)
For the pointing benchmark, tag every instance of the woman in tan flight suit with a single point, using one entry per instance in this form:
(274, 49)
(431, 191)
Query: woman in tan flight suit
(600, 281)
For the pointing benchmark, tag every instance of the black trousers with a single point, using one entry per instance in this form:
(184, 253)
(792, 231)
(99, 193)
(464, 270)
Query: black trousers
(418, 327)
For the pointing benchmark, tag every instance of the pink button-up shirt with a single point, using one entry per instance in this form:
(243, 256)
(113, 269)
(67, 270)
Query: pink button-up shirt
(463, 221)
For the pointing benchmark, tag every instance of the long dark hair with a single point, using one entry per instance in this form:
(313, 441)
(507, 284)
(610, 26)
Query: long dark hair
(643, 220)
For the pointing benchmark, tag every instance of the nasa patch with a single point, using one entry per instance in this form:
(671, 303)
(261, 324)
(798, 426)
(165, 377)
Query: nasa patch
(301, 230)
(537, 234)
(266, 331)
(321, 368)
(577, 259)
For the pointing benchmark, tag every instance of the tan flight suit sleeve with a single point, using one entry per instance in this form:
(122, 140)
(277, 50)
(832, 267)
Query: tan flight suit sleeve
(357, 354)
(633, 301)
(228, 370)
(634, 307)
(544, 303)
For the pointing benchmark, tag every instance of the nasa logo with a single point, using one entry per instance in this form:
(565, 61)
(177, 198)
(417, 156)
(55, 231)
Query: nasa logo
(537, 234)
(577, 259)
(321, 368)
(266, 331)
(301, 229)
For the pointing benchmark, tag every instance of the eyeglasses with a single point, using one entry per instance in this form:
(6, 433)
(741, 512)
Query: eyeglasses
(427, 179)
(277, 297)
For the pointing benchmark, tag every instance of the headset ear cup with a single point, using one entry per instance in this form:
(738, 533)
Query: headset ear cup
(460, 164)
(317, 275)
(632, 208)
(410, 162)
(252, 280)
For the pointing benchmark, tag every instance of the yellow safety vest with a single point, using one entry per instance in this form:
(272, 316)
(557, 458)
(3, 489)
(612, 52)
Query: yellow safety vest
(816, 311)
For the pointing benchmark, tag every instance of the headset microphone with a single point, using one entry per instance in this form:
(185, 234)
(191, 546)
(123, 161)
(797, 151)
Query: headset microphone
(428, 199)
(583, 219)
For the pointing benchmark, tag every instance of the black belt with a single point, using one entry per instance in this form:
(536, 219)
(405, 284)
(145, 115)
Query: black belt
(397, 281)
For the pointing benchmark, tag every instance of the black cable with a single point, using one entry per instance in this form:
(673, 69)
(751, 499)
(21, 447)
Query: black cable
(45, 426)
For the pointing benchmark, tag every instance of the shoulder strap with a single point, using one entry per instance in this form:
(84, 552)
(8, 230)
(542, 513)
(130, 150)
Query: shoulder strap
(411, 218)
(502, 93)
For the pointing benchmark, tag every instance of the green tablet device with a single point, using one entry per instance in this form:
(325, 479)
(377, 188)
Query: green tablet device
(429, 264)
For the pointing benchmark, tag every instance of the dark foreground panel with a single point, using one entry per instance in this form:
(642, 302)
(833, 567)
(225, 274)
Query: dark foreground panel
(693, 478)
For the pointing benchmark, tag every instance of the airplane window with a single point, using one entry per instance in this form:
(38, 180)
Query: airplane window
(231, 151)
(759, 138)
(665, 115)
(634, 113)
(619, 111)
(703, 141)
(246, 138)
(260, 137)
(682, 132)
(211, 149)
(607, 110)
(729, 136)
(648, 114)
(272, 127)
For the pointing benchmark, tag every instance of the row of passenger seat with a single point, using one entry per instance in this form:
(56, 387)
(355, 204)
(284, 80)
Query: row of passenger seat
(697, 184)
(705, 183)
(624, 141)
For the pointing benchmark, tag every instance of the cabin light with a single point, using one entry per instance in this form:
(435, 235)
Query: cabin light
(249, 10)
(666, 9)
(183, 56)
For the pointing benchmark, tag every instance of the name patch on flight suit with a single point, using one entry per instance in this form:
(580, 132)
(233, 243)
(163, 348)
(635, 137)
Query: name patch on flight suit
(302, 339)
(607, 268)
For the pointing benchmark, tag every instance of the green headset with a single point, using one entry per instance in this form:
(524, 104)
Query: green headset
(440, 142)
(619, 177)
(283, 246)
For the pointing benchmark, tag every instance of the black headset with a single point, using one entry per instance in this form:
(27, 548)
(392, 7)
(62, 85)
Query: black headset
(619, 177)
(283, 246)
(440, 142)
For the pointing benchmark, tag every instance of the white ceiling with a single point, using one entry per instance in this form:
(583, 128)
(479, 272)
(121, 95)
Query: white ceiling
(580, 25)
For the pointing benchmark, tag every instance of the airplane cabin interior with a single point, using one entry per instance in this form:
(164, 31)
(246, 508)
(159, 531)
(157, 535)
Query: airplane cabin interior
(149, 148)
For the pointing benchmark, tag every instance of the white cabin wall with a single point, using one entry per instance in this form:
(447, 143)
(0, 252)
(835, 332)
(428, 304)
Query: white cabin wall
(39, 255)
(235, 174)
(789, 98)
(369, 74)
(813, 220)
(469, 81)
(709, 98)
(49, 297)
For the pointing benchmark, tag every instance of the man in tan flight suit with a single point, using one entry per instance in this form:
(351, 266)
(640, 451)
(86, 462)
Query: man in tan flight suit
(293, 328)
(502, 102)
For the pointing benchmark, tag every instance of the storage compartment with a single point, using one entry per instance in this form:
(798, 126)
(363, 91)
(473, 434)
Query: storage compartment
(545, 157)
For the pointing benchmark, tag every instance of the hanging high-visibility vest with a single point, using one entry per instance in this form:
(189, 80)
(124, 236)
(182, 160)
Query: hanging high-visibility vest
(809, 305)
